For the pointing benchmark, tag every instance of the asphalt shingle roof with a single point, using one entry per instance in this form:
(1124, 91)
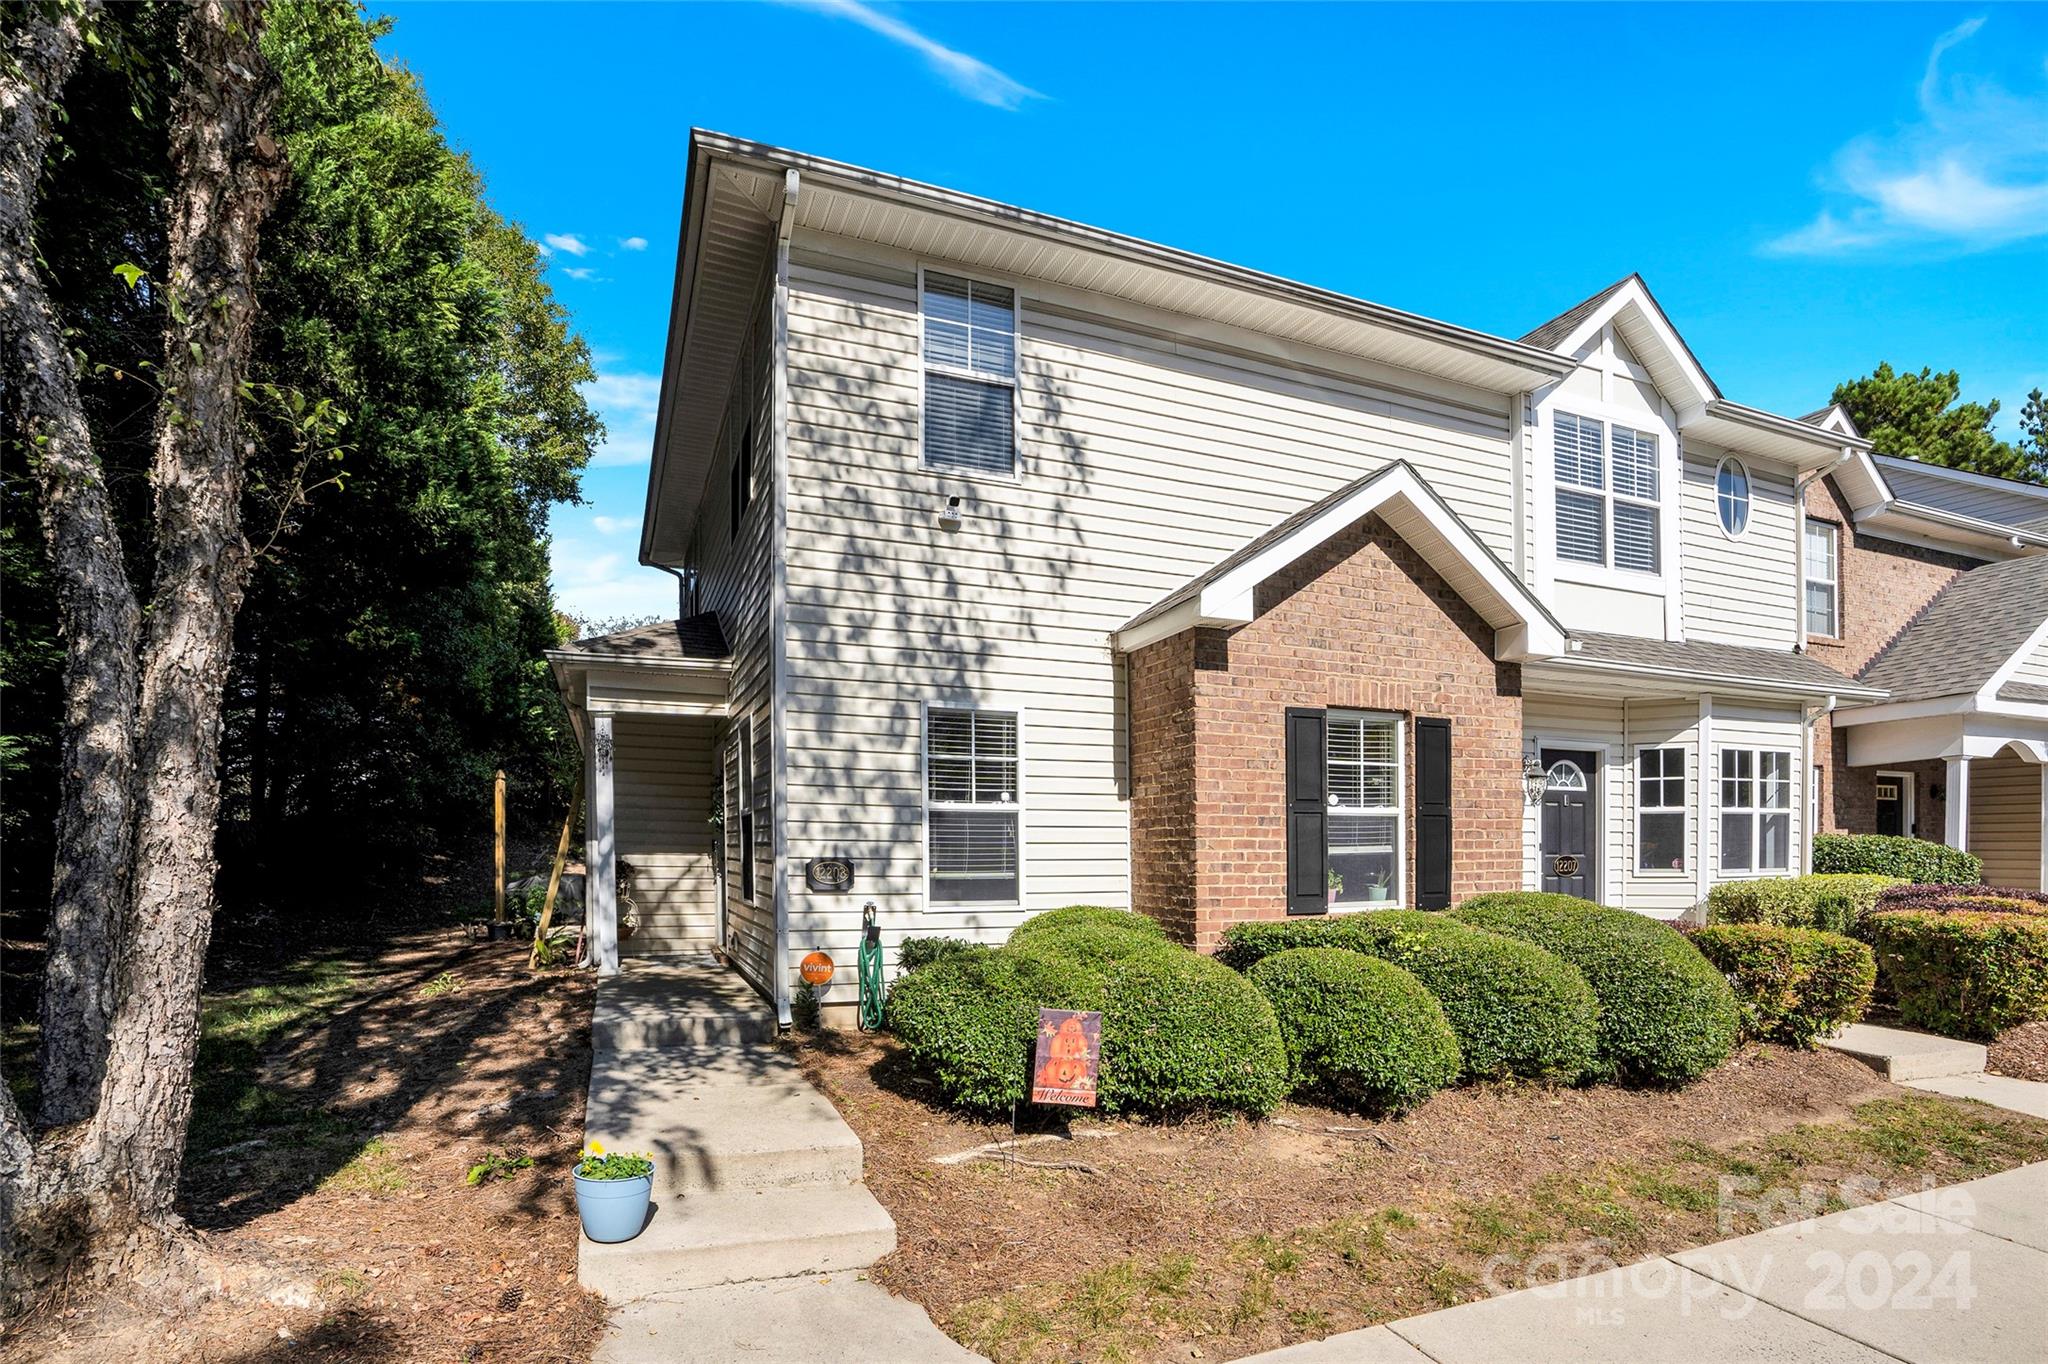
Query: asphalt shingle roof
(1559, 327)
(1713, 660)
(1963, 636)
(694, 639)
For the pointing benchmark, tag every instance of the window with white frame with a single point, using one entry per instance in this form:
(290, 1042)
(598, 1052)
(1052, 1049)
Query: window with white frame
(970, 375)
(1660, 809)
(1608, 479)
(1362, 772)
(1731, 496)
(1823, 579)
(1756, 809)
(971, 806)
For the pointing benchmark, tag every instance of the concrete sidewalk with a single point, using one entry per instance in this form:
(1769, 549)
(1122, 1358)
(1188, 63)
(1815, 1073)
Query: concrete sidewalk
(1954, 1276)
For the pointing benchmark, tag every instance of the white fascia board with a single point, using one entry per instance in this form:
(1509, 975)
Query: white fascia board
(1632, 298)
(1960, 703)
(1725, 684)
(1987, 695)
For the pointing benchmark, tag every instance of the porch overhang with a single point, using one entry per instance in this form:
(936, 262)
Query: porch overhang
(1602, 664)
(1223, 595)
(670, 668)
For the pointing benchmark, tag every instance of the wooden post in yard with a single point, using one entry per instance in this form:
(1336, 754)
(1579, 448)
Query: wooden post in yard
(547, 909)
(498, 852)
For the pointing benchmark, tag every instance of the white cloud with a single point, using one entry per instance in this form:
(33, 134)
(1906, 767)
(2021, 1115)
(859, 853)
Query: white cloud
(618, 525)
(626, 401)
(579, 272)
(1970, 173)
(596, 582)
(565, 241)
(969, 76)
(632, 243)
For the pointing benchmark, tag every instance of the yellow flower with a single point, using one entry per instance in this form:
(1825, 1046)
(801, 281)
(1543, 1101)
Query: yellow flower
(597, 1148)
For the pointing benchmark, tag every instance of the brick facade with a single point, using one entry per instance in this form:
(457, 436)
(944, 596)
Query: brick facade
(1884, 587)
(1361, 622)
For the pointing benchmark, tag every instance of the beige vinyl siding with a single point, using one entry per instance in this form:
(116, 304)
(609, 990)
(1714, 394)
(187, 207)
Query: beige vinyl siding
(1583, 721)
(2006, 797)
(1661, 723)
(735, 577)
(1144, 458)
(1756, 727)
(1743, 590)
(662, 784)
(2033, 669)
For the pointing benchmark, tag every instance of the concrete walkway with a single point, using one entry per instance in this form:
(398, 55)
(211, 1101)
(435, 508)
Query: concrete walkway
(761, 1223)
(1940, 1065)
(1952, 1276)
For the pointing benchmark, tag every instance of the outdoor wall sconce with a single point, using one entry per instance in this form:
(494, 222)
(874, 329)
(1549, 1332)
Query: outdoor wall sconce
(1533, 779)
(949, 516)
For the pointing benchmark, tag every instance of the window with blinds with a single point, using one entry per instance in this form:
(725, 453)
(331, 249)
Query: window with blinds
(1823, 579)
(1608, 491)
(1362, 774)
(1660, 809)
(1756, 810)
(970, 375)
(971, 806)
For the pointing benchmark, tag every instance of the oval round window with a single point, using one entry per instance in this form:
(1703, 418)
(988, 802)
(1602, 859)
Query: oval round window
(1731, 496)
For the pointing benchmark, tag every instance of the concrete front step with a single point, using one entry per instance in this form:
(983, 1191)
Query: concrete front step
(786, 1321)
(1900, 1055)
(711, 1239)
(678, 1002)
(720, 1120)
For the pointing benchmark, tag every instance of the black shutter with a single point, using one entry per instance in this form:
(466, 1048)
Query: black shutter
(1308, 816)
(1432, 813)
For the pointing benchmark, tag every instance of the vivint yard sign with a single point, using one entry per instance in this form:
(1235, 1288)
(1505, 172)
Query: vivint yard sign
(1069, 1058)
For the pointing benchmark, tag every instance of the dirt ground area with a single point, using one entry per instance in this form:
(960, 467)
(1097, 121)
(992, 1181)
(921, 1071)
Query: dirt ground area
(344, 1099)
(2021, 1052)
(1213, 1239)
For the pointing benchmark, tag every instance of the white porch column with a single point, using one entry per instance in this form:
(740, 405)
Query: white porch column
(1957, 834)
(601, 900)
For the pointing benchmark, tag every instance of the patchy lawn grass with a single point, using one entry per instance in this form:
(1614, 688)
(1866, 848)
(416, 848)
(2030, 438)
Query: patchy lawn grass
(1215, 1239)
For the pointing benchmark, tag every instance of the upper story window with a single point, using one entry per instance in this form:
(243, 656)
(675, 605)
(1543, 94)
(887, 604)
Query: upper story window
(1823, 579)
(1607, 494)
(970, 375)
(1731, 496)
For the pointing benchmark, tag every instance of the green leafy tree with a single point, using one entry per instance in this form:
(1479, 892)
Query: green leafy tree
(1919, 416)
(2034, 436)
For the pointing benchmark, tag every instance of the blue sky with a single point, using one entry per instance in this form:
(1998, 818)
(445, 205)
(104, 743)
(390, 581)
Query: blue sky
(1809, 190)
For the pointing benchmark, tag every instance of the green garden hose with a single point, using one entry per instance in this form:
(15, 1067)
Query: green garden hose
(871, 991)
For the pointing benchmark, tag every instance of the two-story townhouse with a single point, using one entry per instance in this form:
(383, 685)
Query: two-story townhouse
(1932, 584)
(1026, 564)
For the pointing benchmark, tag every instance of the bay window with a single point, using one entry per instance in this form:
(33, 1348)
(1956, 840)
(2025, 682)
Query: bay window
(1756, 810)
(1660, 809)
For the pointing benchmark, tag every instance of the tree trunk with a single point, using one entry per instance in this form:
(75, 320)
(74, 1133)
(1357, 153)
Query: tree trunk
(229, 173)
(97, 611)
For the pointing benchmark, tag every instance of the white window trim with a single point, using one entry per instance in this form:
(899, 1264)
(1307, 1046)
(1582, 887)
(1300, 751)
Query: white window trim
(1015, 381)
(1636, 777)
(1399, 899)
(998, 705)
(1749, 501)
(1834, 584)
(1554, 568)
(1794, 835)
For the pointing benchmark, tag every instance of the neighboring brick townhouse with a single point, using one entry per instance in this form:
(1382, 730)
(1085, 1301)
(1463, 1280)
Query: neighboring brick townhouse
(1026, 564)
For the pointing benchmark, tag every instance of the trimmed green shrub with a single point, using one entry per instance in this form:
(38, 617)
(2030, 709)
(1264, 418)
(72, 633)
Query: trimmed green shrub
(1909, 859)
(1181, 1031)
(1832, 902)
(1963, 973)
(970, 1020)
(1089, 916)
(1793, 985)
(1256, 939)
(1095, 946)
(912, 953)
(1360, 1030)
(1666, 1015)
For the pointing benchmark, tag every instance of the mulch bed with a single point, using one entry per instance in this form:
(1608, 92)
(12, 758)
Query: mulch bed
(1217, 1238)
(2021, 1052)
(445, 1050)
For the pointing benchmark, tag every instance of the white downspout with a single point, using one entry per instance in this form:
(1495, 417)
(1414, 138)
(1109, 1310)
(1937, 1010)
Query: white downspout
(778, 601)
